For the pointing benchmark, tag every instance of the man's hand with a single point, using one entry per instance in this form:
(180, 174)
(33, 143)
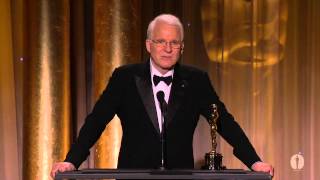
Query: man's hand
(61, 167)
(263, 167)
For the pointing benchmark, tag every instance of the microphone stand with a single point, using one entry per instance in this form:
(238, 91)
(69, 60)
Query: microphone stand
(163, 136)
(163, 107)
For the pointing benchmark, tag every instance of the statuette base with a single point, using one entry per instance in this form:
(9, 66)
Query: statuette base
(213, 161)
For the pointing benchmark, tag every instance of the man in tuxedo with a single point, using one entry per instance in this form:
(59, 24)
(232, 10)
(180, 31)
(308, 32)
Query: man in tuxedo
(132, 94)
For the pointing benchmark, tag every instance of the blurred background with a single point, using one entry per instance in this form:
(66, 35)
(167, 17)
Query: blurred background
(57, 56)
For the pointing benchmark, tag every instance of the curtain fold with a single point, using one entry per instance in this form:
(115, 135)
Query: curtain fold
(268, 77)
(46, 108)
(8, 125)
(116, 41)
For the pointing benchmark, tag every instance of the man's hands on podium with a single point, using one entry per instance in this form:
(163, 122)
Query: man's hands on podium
(67, 166)
(263, 167)
(61, 167)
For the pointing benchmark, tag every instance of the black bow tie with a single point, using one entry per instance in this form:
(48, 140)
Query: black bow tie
(157, 79)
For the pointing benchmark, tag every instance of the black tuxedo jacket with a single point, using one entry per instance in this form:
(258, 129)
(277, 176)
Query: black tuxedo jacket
(129, 95)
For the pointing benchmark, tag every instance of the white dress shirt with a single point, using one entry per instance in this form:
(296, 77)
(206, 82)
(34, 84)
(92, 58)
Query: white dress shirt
(162, 86)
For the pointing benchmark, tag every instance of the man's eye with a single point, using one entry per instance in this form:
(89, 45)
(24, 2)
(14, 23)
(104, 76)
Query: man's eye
(161, 41)
(174, 42)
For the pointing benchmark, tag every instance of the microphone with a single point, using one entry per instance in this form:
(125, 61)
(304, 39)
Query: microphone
(162, 102)
(163, 107)
(160, 96)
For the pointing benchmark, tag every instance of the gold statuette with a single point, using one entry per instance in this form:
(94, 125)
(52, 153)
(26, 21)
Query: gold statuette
(213, 160)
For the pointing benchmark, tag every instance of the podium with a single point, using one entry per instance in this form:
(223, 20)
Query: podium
(231, 174)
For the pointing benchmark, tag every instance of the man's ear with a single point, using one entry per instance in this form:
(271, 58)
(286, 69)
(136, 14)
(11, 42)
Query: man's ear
(148, 44)
(182, 47)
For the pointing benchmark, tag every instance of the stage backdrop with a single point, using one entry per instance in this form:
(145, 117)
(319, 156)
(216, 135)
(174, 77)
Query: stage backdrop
(57, 56)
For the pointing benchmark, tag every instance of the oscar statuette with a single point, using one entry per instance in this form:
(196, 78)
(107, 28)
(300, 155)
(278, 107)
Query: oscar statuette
(213, 160)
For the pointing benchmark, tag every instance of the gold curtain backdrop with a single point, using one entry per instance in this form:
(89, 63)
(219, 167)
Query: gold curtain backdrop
(262, 56)
(248, 44)
(8, 124)
(46, 108)
(116, 42)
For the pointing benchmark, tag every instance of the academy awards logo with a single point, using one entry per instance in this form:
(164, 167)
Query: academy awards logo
(297, 161)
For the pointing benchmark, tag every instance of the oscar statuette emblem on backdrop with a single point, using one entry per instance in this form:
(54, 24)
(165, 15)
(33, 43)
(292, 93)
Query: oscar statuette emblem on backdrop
(213, 160)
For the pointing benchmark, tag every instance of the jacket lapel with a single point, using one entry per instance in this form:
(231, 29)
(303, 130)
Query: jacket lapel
(177, 94)
(144, 86)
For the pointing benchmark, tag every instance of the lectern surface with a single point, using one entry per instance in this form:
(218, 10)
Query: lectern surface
(234, 174)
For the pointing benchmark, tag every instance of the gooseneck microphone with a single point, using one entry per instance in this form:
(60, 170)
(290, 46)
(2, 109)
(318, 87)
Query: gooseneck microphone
(163, 107)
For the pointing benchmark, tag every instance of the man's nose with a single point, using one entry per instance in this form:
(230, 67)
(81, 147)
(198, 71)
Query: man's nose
(168, 47)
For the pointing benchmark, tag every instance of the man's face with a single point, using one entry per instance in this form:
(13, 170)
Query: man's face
(164, 46)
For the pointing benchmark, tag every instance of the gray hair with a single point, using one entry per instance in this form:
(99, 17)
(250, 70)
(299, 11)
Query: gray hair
(167, 18)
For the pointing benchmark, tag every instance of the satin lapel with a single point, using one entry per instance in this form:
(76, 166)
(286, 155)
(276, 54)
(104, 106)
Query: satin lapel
(143, 83)
(178, 90)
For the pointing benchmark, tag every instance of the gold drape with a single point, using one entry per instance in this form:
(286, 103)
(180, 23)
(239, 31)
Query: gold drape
(8, 133)
(78, 67)
(247, 44)
(18, 34)
(46, 94)
(267, 54)
(117, 41)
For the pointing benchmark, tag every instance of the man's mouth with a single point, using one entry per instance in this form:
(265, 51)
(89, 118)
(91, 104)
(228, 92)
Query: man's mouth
(166, 57)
